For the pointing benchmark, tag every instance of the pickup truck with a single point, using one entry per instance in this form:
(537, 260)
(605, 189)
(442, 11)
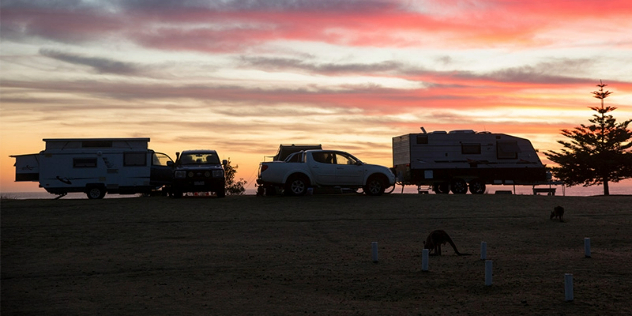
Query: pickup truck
(324, 168)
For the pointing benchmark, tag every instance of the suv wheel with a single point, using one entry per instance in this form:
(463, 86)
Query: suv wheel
(374, 186)
(221, 193)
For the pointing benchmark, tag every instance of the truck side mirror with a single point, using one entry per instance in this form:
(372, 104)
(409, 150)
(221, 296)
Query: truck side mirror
(224, 162)
(169, 163)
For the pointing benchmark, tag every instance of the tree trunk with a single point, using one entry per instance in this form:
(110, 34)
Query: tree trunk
(606, 187)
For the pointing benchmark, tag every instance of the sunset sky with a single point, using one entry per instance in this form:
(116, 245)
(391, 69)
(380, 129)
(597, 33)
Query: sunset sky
(243, 77)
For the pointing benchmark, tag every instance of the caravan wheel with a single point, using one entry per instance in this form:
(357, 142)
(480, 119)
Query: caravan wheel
(477, 186)
(95, 192)
(458, 186)
(441, 188)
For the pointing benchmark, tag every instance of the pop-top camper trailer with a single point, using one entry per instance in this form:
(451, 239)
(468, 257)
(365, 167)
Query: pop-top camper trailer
(458, 160)
(286, 150)
(96, 166)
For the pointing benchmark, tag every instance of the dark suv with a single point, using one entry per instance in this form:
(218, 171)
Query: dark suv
(198, 171)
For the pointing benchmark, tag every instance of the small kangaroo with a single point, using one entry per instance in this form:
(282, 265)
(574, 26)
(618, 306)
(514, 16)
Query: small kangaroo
(436, 239)
(558, 212)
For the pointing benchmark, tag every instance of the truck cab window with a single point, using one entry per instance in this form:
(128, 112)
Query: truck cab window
(324, 157)
(344, 160)
(298, 157)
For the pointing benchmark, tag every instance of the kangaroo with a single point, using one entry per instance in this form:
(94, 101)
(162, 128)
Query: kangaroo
(436, 239)
(558, 212)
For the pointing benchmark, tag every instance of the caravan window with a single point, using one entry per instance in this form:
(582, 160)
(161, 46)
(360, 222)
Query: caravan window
(96, 144)
(507, 149)
(135, 159)
(84, 162)
(471, 149)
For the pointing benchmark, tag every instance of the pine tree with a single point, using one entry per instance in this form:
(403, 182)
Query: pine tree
(598, 153)
(233, 187)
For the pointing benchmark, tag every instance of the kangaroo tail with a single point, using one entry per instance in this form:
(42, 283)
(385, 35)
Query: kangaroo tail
(453, 245)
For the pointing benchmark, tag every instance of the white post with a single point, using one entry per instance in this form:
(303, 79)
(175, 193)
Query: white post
(374, 251)
(587, 247)
(488, 272)
(483, 250)
(568, 286)
(424, 259)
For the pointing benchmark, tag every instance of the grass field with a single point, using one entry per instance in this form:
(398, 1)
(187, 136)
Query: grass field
(247, 255)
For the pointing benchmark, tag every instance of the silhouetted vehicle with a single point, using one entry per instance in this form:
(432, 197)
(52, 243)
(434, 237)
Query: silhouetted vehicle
(324, 168)
(463, 159)
(283, 152)
(199, 171)
(96, 166)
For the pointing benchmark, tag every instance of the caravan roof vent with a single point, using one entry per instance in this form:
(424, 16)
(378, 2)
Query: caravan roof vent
(462, 131)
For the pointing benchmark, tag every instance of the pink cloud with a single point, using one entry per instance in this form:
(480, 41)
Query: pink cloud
(382, 23)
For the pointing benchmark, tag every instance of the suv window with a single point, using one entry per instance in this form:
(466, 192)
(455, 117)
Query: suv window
(160, 159)
(199, 159)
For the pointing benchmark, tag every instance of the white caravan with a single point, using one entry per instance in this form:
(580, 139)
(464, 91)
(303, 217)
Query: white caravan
(96, 166)
(456, 160)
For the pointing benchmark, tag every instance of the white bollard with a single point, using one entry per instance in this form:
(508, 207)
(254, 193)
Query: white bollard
(587, 247)
(488, 272)
(568, 286)
(424, 259)
(374, 251)
(483, 250)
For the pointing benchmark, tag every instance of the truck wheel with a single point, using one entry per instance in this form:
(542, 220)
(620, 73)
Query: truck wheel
(441, 187)
(95, 192)
(477, 186)
(296, 185)
(458, 186)
(374, 186)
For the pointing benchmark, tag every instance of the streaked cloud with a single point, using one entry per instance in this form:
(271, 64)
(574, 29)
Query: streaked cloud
(100, 65)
